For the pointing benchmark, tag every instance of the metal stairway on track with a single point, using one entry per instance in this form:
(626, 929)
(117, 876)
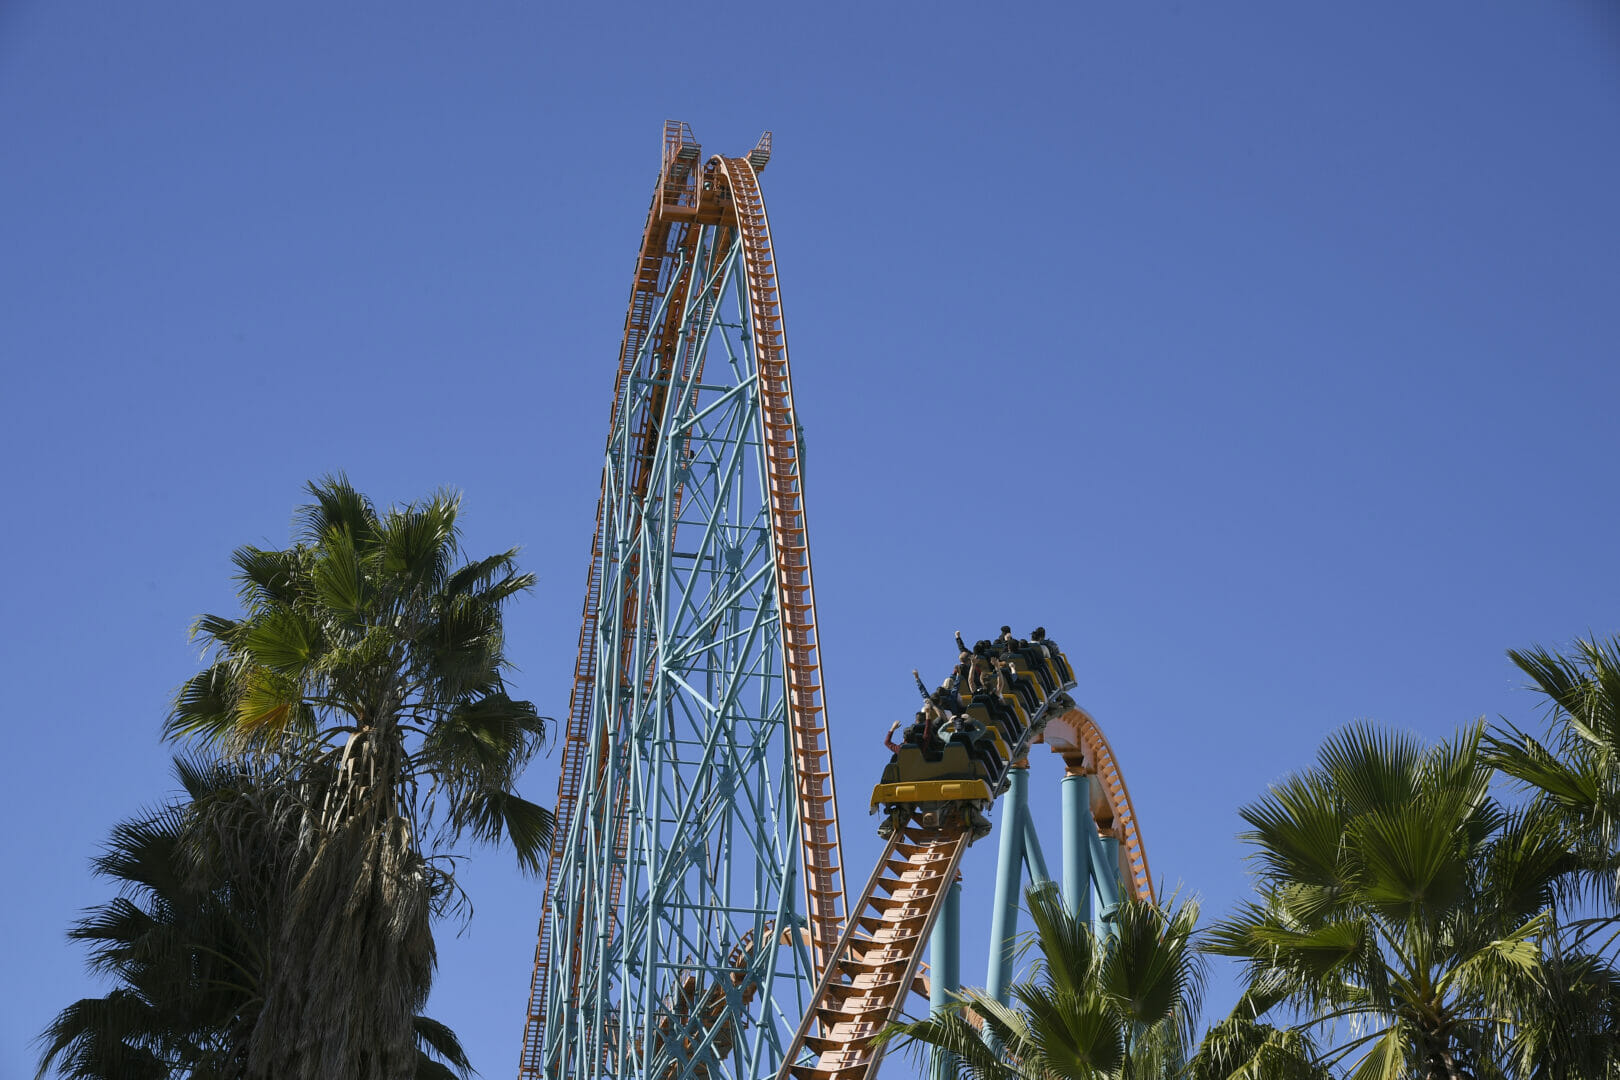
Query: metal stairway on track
(878, 955)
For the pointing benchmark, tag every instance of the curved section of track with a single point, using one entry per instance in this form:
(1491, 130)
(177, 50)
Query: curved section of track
(880, 951)
(878, 957)
(1076, 738)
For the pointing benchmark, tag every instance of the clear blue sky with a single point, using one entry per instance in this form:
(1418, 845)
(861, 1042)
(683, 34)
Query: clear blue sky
(1266, 353)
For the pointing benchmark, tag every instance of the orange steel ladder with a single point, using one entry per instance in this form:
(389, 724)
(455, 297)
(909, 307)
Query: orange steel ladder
(876, 960)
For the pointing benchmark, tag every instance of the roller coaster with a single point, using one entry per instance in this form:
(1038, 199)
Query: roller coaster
(695, 923)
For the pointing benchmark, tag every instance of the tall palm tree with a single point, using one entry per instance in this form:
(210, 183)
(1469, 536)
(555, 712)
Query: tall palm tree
(1117, 1009)
(186, 942)
(1410, 920)
(367, 669)
(1574, 773)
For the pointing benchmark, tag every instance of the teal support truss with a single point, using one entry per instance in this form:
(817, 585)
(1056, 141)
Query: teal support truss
(1033, 857)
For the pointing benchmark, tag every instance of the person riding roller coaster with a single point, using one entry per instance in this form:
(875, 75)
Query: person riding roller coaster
(951, 742)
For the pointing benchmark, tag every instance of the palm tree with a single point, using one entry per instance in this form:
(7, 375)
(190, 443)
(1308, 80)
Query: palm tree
(1121, 1008)
(1411, 920)
(186, 943)
(367, 670)
(1574, 774)
(1242, 1048)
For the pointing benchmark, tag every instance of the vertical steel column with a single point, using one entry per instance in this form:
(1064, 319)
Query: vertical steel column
(1009, 876)
(944, 953)
(944, 961)
(1078, 834)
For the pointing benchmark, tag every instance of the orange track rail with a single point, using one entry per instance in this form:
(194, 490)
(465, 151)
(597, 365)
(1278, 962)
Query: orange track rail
(820, 850)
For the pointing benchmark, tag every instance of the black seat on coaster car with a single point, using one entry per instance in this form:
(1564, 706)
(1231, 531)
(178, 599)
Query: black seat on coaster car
(1061, 662)
(954, 762)
(981, 712)
(999, 713)
(1032, 661)
(1025, 690)
(980, 740)
(982, 749)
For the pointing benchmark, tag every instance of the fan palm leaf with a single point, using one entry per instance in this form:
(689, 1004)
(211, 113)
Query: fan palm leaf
(1575, 773)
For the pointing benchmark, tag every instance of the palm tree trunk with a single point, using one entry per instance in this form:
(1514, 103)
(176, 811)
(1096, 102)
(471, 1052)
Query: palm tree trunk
(355, 958)
(1442, 1064)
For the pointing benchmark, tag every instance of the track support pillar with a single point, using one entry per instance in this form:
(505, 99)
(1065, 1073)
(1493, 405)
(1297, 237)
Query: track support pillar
(1078, 835)
(944, 962)
(1009, 876)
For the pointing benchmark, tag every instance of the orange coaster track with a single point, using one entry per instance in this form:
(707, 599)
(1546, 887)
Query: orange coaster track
(879, 956)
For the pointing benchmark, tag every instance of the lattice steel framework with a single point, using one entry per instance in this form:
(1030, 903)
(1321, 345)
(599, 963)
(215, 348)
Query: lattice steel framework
(695, 889)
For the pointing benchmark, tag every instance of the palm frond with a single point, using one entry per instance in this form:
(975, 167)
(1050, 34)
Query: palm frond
(338, 578)
(116, 1037)
(949, 1034)
(490, 580)
(1522, 757)
(1151, 969)
(1240, 1048)
(437, 1041)
(1371, 767)
(282, 640)
(419, 542)
(1072, 1034)
(1385, 1059)
(204, 706)
(1296, 831)
(490, 815)
(338, 507)
(1069, 956)
(1410, 857)
(490, 738)
(266, 577)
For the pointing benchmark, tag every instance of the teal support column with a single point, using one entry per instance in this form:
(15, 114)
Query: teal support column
(1009, 876)
(944, 956)
(1032, 853)
(1078, 834)
(1105, 858)
(945, 969)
